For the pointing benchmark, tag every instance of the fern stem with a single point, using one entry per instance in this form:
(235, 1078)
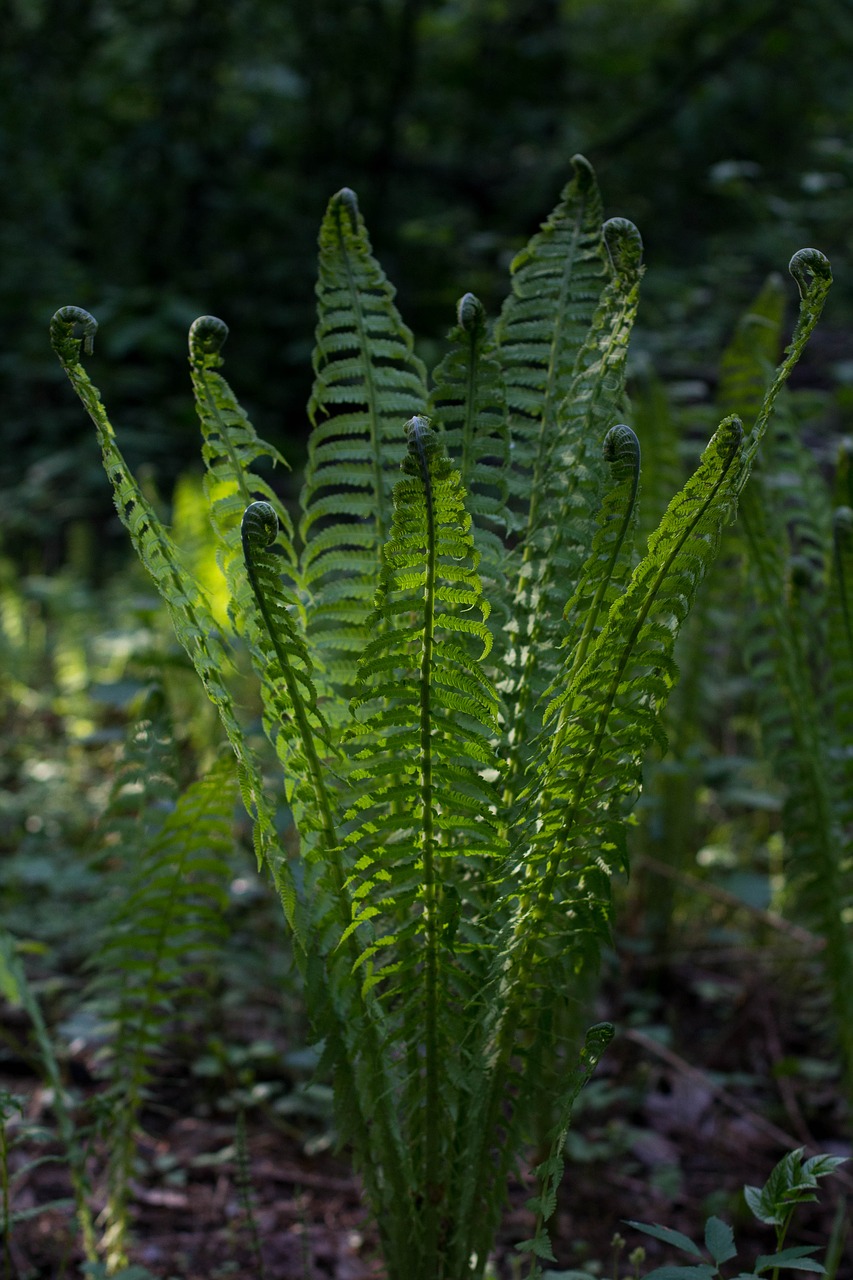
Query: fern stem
(432, 1101)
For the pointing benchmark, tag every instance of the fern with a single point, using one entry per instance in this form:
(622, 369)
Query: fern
(565, 490)
(798, 560)
(463, 668)
(468, 403)
(163, 927)
(191, 616)
(367, 380)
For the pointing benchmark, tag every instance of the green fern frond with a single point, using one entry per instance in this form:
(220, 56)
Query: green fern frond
(230, 450)
(569, 836)
(605, 574)
(813, 276)
(164, 923)
(345, 1016)
(629, 671)
(292, 718)
(469, 407)
(191, 617)
(367, 379)
(797, 734)
(556, 282)
(800, 671)
(565, 494)
(425, 710)
(426, 714)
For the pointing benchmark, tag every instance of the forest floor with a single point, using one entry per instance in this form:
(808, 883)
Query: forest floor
(719, 1067)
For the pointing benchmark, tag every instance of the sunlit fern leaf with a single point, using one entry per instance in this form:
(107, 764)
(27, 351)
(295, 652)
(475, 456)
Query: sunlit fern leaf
(611, 704)
(191, 617)
(605, 574)
(231, 449)
(565, 495)
(468, 406)
(292, 718)
(165, 920)
(425, 711)
(367, 380)
(556, 282)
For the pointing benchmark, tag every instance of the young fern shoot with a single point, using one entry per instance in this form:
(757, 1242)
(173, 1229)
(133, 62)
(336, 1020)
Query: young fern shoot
(463, 665)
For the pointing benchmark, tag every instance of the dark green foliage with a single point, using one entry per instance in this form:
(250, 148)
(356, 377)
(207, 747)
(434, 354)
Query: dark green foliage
(199, 143)
(797, 557)
(793, 1181)
(164, 919)
(460, 774)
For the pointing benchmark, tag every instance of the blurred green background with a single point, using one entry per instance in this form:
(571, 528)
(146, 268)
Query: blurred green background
(165, 158)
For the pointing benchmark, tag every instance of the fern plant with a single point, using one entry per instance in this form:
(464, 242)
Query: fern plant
(463, 661)
(162, 920)
(797, 544)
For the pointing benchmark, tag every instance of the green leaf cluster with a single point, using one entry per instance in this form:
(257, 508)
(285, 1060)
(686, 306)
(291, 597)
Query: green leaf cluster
(793, 1181)
(463, 657)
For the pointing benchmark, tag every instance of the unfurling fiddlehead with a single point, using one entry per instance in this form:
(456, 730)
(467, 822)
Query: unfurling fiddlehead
(207, 338)
(66, 346)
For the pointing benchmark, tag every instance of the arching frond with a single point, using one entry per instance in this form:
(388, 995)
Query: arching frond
(367, 380)
(193, 621)
(556, 283)
(231, 449)
(293, 720)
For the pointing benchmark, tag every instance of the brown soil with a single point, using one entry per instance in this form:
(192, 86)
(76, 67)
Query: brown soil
(718, 1069)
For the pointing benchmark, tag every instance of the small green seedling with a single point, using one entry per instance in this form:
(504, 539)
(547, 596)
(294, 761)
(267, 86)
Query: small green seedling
(792, 1182)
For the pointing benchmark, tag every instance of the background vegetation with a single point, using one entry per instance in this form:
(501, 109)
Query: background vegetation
(172, 158)
(164, 159)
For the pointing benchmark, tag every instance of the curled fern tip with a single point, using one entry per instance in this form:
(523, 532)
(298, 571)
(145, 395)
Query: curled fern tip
(584, 172)
(622, 450)
(810, 268)
(470, 312)
(62, 325)
(624, 244)
(260, 525)
(348, 200)
(207, 337)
